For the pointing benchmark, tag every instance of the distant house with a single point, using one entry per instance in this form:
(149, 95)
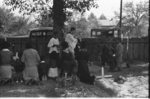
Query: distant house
(108, 23)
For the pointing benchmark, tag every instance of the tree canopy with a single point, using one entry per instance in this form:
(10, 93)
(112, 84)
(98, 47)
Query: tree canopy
(102, 17)
(133, 15)
(59, 10)
(10, 24)
(83, 25)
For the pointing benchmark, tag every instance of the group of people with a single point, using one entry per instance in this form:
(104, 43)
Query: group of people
(68, 58)
(72, 61)
(20, 69)
(112, 55)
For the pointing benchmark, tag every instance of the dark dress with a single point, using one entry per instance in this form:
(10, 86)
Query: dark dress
(68, 63)
(83, 70)
(43, 67)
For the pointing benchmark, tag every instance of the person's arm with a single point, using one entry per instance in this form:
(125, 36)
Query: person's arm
(56, 43)
(23, 57)
(0, 58)
(87, 56)
(38, 57)
(12, 60)
(69, 38)
(50, 44)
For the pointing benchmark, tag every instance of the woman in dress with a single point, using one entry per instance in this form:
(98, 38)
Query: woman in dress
(83, 70)
(31, 59)
(6, 70)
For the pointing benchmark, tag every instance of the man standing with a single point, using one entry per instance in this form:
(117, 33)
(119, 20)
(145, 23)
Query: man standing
(71, 40)
(119, 55)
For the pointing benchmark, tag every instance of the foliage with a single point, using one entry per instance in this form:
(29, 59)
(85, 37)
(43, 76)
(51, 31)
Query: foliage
(45, 19)
(134, 16)
(93, 21)
(6, 19)
(21, 26)
(29, 6)
(83, 25)
(102, 17)
(11, 24)
(59, 9)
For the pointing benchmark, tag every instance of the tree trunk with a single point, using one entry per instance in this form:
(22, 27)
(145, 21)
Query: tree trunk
(59, 30)
(59, 17)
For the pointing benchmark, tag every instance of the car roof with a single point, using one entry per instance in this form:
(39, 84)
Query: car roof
(19, 36)
(104, 28)
(41, 28)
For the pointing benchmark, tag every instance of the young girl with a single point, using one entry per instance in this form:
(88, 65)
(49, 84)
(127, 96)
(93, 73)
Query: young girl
(68, 61)
(53, 56)
(68, 67)
(19, 67)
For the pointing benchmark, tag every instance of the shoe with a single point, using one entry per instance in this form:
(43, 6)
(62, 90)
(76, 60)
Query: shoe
(17, 81)
(128, 66)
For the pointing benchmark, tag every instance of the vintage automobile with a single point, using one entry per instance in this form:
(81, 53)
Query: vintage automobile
(104, 31)
(41, 32)
(38, 36)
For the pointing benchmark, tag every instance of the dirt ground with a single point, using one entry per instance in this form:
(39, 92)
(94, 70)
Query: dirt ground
(49, 88)
(136, 84)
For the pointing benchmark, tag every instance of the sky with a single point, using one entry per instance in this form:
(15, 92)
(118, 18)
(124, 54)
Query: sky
(106, 7)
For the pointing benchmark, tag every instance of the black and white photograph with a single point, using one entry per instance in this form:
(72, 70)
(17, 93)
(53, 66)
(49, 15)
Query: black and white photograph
(74, 48)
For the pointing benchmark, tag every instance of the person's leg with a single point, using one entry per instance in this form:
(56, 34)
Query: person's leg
(40, 71)
(127, 60)
(118, 63)
(113, 64)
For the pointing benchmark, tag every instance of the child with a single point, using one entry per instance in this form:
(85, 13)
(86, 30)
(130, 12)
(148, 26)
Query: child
(19, 67)
(6, 70)
(53, 56)
(43, 68)
(69, 67)
(68, 61)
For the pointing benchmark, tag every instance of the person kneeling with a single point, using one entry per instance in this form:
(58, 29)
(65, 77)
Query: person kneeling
(6, 69)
